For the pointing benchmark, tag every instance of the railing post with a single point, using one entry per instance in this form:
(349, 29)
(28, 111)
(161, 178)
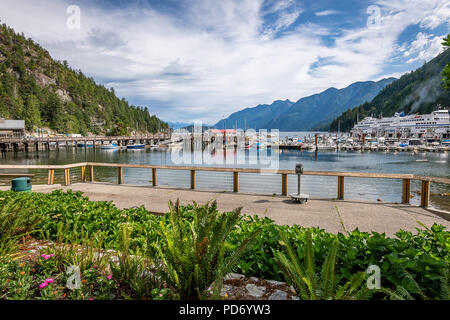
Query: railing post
(91, 173)
(340, 188)
(120, 175)
(192, 179)
(284, 184)
(83, 174)
(425, 194)
(235, 181)
(406, 190)
(67, 177)
(51, 174)
(154, 177)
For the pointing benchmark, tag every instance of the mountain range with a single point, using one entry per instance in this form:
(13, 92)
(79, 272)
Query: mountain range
(307, 112)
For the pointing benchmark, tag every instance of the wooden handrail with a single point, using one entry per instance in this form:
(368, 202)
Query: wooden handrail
(37, 167)
(240, 170)
(425, 193)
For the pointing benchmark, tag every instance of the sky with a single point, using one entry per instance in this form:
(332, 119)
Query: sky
(201, 60)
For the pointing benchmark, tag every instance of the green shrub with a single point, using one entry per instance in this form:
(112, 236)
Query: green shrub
(18, 218)
(422, 255)
(194, 252)
(312, 284)
(140, 278)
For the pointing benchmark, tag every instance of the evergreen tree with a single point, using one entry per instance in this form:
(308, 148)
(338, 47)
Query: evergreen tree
(446, 72)
(18, 108)
(32, 114)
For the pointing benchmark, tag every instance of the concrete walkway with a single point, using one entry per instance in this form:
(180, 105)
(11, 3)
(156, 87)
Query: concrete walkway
(366, 216)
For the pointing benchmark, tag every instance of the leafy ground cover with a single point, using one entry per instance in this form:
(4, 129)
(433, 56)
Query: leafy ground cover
(414, 263)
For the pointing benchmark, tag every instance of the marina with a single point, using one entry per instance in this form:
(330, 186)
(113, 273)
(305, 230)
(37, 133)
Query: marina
(400, 133)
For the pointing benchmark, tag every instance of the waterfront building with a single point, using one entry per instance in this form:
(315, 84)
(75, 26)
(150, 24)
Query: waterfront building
(12, 128)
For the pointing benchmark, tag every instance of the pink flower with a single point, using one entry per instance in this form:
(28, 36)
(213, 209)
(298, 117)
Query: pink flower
(43, 285)
(49, 280)
(47, 256)
(91, 299)
(109, 277)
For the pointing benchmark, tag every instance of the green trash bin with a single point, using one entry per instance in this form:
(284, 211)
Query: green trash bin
(21, 184)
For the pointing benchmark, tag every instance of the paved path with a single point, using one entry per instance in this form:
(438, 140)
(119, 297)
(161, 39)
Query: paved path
(366, 216)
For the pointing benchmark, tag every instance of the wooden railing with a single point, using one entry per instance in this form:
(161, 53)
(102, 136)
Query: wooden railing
(89, 166)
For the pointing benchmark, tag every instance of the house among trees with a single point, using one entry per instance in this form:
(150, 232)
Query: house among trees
(12, 128)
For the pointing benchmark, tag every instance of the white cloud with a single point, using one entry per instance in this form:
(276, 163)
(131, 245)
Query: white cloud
(218, 56)
(286, 19)
(327, 13)
(424, 48)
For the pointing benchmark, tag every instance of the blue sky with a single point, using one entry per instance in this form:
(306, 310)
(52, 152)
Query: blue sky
(204, 59)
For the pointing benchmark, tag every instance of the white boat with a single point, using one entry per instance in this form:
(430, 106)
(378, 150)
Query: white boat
(400, 125)
(110, 146)
(382, 147)
(175, 144)
(322, 146)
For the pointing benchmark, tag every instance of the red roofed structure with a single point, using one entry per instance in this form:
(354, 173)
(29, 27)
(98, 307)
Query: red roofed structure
(223, 131)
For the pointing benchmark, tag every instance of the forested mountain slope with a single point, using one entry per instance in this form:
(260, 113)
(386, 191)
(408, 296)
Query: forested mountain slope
(48, 93)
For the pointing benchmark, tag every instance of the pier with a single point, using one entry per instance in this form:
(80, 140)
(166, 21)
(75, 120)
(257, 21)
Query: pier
(29, 144)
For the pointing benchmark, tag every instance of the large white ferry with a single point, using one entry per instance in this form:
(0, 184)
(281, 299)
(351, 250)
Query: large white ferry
(432, 126)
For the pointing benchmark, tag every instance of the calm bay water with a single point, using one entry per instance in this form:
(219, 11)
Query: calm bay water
(432, 164)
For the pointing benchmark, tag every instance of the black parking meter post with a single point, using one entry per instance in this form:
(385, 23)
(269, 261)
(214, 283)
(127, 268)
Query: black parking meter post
(299, 197)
